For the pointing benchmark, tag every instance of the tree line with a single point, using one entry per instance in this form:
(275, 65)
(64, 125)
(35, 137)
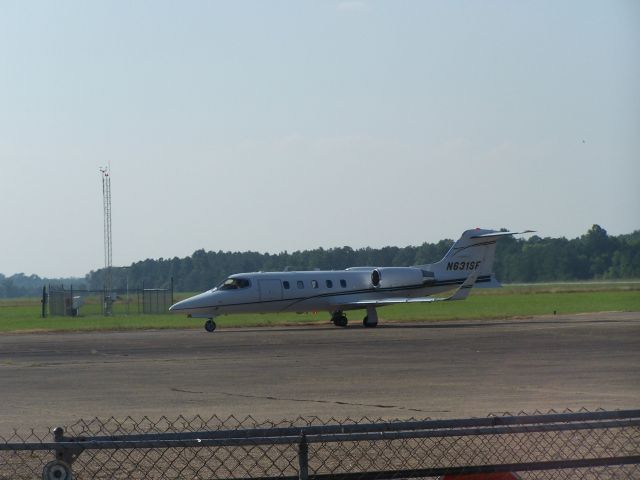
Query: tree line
(592, 256)
(21, 285)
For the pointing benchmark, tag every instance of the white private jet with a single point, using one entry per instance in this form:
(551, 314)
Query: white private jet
(468, 262)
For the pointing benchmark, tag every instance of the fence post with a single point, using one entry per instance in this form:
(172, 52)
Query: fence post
(60, 468)
(44, 302)
(303, 458)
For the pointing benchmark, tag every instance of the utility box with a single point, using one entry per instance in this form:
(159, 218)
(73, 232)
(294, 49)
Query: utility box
(73, 305)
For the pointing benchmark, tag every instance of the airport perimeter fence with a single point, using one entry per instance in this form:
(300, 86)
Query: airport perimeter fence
(586, 445)
(72, 302)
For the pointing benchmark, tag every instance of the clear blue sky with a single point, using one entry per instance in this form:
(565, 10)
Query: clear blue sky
(271, 126)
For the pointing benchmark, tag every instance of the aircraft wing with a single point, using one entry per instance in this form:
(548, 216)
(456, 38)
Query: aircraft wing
(460, 294)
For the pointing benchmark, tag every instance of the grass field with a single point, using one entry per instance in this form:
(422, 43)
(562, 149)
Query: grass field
(23, 315)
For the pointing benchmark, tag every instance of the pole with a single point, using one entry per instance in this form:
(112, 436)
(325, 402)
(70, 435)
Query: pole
(303, 458)
(44, 301)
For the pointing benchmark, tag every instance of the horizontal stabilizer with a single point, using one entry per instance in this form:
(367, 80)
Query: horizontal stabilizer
(500, 234)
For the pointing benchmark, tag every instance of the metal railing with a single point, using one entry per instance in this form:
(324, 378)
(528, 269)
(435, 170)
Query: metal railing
(602, 444)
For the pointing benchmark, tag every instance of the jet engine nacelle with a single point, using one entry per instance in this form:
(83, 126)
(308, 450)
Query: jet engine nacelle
(388, 277)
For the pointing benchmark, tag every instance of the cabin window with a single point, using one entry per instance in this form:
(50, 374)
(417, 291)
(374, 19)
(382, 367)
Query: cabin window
(300, 284)
(314, 284)
(329, 284)
(234, 283)
(285, 284)
(343, 283)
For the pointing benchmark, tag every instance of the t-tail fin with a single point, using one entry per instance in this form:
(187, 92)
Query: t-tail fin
(473, 253)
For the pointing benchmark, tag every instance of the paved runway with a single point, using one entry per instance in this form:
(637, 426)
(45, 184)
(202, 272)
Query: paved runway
(439, 370)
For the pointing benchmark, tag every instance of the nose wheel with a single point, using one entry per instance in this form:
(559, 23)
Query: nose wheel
(210, 325)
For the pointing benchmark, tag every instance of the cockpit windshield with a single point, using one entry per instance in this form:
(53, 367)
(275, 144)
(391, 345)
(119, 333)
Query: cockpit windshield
(234, 284)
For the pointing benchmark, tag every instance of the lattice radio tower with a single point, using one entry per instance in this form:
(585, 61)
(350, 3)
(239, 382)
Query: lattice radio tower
(106, 202)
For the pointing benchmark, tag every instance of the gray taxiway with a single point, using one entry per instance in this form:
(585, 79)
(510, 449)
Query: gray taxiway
(438, 370)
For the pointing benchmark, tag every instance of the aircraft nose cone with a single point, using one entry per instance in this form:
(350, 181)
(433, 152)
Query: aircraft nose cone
(181, 305)
(192, 305)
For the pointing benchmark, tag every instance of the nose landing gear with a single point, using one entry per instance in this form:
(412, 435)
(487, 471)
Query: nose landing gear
(210, 325)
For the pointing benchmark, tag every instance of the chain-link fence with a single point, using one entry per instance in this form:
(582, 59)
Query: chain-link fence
(586, 445)
(156, 300)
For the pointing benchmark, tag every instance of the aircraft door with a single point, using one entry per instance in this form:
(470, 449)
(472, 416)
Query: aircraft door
(270, 290)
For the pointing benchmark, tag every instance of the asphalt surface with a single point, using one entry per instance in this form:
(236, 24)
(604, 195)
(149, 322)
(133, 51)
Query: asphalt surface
(438, 370)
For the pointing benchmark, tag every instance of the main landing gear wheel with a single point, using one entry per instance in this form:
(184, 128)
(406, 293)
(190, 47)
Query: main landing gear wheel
(210, 325)
(367, 324)
(339, 319)
(371, 319)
